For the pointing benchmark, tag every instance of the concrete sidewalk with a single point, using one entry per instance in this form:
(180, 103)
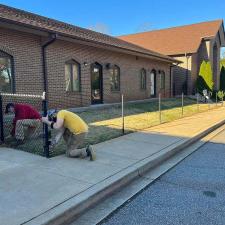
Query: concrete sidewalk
(35, 190)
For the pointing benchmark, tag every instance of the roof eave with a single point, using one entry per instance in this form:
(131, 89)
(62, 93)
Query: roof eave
(182, 54)
(45, 31)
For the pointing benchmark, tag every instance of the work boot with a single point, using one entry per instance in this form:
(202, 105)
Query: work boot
(90, 153)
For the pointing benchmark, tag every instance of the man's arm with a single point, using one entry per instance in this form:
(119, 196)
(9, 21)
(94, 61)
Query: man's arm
(57, 125)
(58, 136)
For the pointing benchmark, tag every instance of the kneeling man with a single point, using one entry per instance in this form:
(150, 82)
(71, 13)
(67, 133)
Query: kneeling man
(26, 123)
(74, 130)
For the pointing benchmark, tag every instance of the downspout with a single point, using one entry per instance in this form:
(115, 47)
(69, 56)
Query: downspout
(45, 78)
(171, 80)
(44, 64)
(187, 68)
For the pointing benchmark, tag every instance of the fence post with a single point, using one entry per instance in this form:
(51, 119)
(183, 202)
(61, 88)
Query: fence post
(216, 99)
(160, 116)
(46, 141)
(122, 107)
(182, 104)
(1, 120)
(222, 101)
(197, 103)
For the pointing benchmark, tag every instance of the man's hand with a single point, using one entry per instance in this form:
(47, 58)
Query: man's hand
(45, 120)
(8, 137)
(53, 143)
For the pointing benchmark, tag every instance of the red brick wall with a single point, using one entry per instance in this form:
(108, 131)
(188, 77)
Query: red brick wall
(26, 50)
(129, 73)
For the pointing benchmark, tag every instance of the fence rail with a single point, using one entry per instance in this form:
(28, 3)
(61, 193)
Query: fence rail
(24, 95)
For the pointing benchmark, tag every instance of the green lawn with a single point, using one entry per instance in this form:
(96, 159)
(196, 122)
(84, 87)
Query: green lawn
(106, 124)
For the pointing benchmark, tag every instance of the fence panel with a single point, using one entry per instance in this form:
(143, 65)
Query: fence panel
(25, 134)
(104, 122)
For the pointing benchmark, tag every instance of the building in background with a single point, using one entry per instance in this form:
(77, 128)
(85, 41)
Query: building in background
(75, 66)
(190, 44)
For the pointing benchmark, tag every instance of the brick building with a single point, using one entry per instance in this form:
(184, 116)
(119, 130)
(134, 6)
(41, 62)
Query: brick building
(190, 44)
(76, 66)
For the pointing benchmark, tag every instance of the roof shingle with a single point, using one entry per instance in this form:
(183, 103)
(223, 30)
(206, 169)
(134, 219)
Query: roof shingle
(175, 40)
(43, 23)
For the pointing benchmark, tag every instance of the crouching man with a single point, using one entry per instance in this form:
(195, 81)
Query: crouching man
(74, 130)
(26, 123)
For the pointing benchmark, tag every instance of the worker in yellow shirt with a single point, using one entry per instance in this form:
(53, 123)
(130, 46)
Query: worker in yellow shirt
(73, 129)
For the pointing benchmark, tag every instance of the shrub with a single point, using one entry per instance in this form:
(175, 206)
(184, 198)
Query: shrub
(221, 95)
(205, 78)
(201, 85)
(222, 79)
(209, 76)
(202, 68)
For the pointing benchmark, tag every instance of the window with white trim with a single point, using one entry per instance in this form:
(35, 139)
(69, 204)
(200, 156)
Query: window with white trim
(6, 73)
(72, 75)
(143, 79)
(115, 78)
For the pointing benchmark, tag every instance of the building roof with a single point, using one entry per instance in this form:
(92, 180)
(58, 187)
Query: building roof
(175, 40)
(27, 19)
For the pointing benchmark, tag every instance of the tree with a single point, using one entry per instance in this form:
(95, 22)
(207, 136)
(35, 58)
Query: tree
(221, 95)
(222, 78)
(222, 63)
(202, 68)
(205, 78)
(201, 85)
(209, 76)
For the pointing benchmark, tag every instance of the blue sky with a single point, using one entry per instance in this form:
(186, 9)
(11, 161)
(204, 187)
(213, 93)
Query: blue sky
(117, 17)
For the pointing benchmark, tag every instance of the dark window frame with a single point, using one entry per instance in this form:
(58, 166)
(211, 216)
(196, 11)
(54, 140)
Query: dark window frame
(71, 63)
(100, 67)
(154, 73)
(112, 78)
(162, 80)
(143, 86)
(4, 54)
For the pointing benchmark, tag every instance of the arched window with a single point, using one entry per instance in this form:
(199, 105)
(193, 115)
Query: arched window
(115, 78)
(72, 75)
(96, 83)
(143, 79)
(153, 83)
(162, 79)
(6, 73)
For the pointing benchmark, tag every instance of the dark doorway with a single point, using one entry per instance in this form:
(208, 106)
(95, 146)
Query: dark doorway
(153, 83)
(96, 84)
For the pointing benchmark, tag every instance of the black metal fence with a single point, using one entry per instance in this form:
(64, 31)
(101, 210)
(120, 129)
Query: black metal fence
(104, 123)
(29, 135)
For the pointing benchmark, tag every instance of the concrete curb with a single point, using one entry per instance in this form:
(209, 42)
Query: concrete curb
(65, 212)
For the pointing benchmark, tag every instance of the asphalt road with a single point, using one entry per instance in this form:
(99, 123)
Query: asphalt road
(193, 193)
